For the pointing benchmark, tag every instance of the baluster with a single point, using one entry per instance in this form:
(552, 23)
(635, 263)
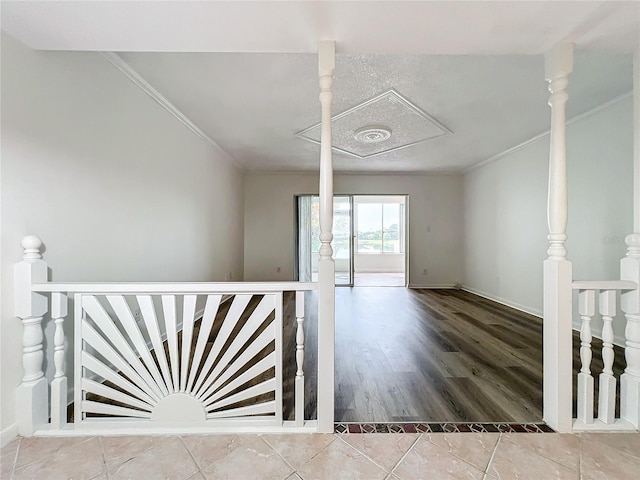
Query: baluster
(59, 382)
(326, 265)
(299, 386)
(557, 269)
(32, 395)
(607, 390)
(630, 270)
(586, 308)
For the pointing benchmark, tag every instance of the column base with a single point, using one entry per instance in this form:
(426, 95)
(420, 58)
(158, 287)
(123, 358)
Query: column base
(630, 399)
(32, 403)
(59, 402)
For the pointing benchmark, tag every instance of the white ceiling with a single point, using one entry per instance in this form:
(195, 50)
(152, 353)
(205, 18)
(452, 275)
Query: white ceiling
(476, 67)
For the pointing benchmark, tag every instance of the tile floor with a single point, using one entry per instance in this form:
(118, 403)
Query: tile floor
(399, 456)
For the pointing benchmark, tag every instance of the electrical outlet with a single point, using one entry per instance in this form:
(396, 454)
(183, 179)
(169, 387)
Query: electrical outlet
(278, 269)
(137, 315)
(424, 272)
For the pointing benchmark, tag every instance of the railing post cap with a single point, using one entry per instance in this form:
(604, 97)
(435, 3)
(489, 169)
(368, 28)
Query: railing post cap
(31, 245)
(633, 240)
(31, 242)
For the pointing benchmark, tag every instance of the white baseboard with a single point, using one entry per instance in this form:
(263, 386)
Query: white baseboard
(503, 301)
(432, 285)
(618, 340)
(8, 434)
(378, 270)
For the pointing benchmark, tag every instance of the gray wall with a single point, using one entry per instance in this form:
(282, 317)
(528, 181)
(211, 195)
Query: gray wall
(117, 188)
(505, 210)
(435, 222)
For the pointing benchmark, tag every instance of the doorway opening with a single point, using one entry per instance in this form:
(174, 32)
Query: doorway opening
(379, 258)
(370, 245)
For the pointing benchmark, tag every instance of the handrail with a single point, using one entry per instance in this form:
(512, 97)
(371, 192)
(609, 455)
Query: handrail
(177, 288)
(604, 285)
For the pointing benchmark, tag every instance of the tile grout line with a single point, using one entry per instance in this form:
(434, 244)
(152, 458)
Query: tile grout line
(15, 459)
(579, 456)
(493, 454)
(368, 457)
(295, 471)
(459, 457)
(51, 454)
(405, 455)
(200, 470)
(545, 455)
(104, 458)
(595, 439)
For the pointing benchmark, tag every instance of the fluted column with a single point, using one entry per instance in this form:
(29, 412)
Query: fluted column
(557, 270)
(32, 395)
(326, 266)
(630, 270)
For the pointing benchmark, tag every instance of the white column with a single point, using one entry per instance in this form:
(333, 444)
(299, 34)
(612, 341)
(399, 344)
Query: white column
(630, 270)
(32, 395)
(326, 266)
(557, 270)
(59, 382)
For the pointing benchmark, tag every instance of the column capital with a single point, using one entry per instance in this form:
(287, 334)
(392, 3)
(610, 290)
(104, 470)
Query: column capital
(558, 62)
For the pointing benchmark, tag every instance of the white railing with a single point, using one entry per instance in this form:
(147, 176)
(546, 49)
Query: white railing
(558, 286)
(158, 356)
(606, 293)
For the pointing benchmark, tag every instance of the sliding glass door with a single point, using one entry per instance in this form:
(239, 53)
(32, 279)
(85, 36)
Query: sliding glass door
(308, 240)
(343, 239)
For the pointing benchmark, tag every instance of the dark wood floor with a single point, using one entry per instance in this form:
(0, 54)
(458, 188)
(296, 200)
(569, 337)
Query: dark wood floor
(428, 355)
(435, 355)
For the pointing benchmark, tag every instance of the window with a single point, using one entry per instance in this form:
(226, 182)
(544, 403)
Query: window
(380, 228)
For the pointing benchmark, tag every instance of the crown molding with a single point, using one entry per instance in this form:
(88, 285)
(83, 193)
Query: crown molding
(115, 60)
(438, 173)
(535, 138)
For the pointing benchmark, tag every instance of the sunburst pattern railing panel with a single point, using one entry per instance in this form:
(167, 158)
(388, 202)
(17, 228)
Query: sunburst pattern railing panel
(162, 358)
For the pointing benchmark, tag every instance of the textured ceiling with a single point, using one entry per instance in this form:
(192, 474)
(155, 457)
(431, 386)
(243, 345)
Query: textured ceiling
(476, 67)
(362, 130)
(253, 105)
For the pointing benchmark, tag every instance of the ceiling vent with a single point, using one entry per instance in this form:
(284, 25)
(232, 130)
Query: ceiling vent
(383, 124)
(373, 134)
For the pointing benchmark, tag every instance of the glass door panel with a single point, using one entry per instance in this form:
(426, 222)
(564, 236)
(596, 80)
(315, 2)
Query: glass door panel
(342, 237)
(309, 238)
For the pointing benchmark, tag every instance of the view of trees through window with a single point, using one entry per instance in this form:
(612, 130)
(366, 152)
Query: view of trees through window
(379, 228)
(341, 226)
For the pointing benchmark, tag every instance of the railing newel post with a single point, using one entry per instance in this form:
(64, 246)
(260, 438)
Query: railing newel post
(32, 395)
